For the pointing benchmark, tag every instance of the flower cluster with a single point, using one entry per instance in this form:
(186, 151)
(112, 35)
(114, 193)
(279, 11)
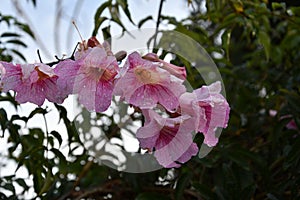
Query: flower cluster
(171, 114)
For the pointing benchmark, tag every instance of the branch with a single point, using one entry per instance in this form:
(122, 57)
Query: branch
(158, 21)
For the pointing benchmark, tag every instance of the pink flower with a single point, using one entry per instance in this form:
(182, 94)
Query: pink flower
(209, 110)
(32, 82)
(292, 125)
(170, 138)
(91, 77)
(144, 84)
(86, 47)
(179, 72)
(10, 76)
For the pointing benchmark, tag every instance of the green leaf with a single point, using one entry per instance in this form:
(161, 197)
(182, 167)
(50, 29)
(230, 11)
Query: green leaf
(48, 181)
(57, 136)
(142, 21)
(8, 34)
(18, 53)
(33, 2)
(3, 120)
(226, 41)
(124, 5)
(37, 111)
(98, 15)
(205, 191)
(22, 183)
(152, 196)
(265, 40)
(98, 23)
(16, 42)
(26, 29)
(8, 97)
(182, 183)
(106, 33)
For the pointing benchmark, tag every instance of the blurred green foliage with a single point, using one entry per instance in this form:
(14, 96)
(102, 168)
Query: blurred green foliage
(255, 44)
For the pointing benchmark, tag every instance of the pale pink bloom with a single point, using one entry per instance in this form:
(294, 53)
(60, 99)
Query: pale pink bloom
(10, 76)
(209, 110)
(144, 84)
(179, 72)
(86, 47)
(91, 77)
(32, 82)
(292, 125)
(171, 139)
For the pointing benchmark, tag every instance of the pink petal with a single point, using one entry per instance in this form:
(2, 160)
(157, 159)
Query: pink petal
(170, 137)
(103, 96)
(67, 72)
(10, 76)
(30, 93)
(86, 92)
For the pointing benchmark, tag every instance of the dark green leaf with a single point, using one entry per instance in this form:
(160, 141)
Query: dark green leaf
(98, 23)
(16, 42)
(7, 34)
(152, 196)
(182, 183)
(57, 136)
(142, 21)
(98, 15)
(264, 39)
(26, 29)
(3, 120)
(38, 110)
(22, 183)
(124, 5)
(18, 53)
(106, 33)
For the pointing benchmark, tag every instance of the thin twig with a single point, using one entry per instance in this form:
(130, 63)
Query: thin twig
(158, 22)
(39, 55)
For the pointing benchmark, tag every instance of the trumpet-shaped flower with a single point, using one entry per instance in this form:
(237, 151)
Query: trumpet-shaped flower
(179, 72)
(91, 77)
(144, 84)
(10, 76)
(209, 110)
(170, 138)
(32, 82)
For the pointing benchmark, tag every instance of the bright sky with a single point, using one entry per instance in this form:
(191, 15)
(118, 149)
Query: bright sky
(49, 30)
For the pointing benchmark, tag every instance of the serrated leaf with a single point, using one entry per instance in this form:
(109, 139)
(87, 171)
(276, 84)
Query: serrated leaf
(141, 22)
